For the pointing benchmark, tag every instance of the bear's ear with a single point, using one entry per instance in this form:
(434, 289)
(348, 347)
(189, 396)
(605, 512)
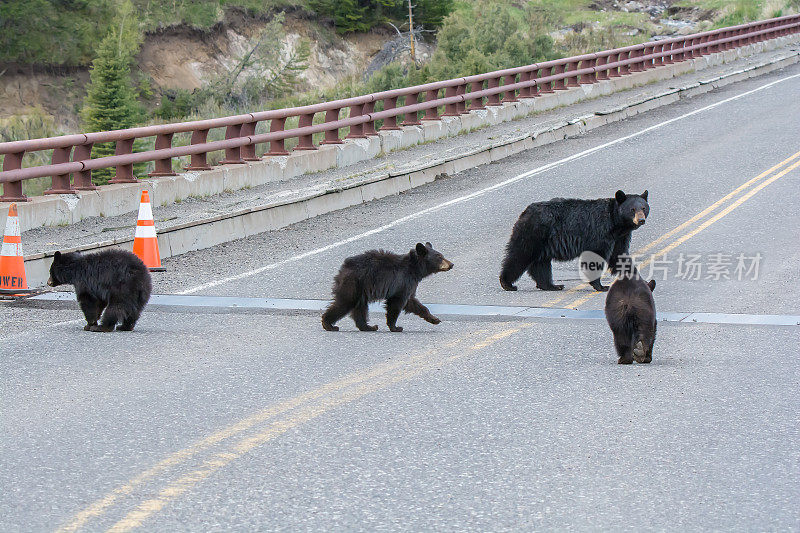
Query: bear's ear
(652, 285)
(57, 255)
(421, 250)
(429, 245)
(644, 195)
(620, 197)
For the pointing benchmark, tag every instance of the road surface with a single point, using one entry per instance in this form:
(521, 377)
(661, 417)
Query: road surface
(252, 418)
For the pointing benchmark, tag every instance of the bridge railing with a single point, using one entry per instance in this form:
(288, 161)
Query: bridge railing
(71, 163)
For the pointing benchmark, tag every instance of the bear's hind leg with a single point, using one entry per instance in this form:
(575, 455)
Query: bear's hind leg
(514, 264)
(334, 313)
(359, 314)
(643, 349)
(542, 274)
(393, 307)
(111, 316)
(622, 342)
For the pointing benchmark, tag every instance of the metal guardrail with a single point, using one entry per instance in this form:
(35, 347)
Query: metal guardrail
(72, 153)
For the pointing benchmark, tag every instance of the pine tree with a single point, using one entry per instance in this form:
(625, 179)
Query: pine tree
(110, 102)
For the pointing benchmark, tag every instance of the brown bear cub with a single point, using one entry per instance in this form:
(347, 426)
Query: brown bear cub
(631, 314)
(112, 280)
(379, 275)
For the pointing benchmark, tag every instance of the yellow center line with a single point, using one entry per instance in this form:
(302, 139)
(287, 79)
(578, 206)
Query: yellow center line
(569, 292)
(147, 508)
(100, 506)
(701, 227)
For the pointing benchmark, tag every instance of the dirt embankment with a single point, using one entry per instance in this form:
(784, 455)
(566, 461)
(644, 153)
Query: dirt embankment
(185, 58)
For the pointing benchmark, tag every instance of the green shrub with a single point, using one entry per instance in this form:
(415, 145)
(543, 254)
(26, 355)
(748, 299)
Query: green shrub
(110, 102)
(361, 15)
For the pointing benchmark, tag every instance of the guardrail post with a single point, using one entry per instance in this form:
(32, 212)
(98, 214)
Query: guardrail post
(534, 89)
(83, 178)
(573, 80)
(163, 167)
(12, 190)
(411, 118)
(667, 48)
(546, 87)
(647, 64)
(431, 113)
(636, 66)
(369, 127)
(277, 147)
(525, 92)
(493, 99)
(233, 155)
(461, 106)
(198, 161)
(451, 110)
(306, 142)
(600, 72)
(249, 150)
(60, 182)
(332, 136)
(124, 173)
(588, 79)
(390, 123)
(658, 49)
(356, 130)
(510, 96)
(558, 85)
(476, 103)
(623, 70)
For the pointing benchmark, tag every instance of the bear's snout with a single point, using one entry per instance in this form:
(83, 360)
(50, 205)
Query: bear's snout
(50, 282)
(446, 265)
(639, 218)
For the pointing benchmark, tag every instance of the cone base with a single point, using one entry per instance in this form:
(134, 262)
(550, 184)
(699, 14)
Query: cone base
(156, 269)
(21, 292)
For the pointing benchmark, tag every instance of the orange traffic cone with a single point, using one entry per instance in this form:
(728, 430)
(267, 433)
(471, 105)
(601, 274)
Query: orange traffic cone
(145, 242)
(12, 265)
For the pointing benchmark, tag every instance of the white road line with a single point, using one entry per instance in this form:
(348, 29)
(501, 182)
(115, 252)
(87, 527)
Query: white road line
(40, 328)
(473, 195)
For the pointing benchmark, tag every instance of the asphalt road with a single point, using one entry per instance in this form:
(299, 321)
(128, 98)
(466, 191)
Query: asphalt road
(213, 419)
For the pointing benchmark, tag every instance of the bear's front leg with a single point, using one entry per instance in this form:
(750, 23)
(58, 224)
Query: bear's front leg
(415, 306)
(598, 286)
(91, 307)
(393, 307)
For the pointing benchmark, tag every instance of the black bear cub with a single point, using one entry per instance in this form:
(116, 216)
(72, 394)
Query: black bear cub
(379, 275)
(114, 280)
(631, 314)
(561, 229)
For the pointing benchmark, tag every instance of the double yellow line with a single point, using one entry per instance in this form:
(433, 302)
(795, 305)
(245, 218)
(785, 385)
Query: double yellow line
(749, 189)
(228, 444)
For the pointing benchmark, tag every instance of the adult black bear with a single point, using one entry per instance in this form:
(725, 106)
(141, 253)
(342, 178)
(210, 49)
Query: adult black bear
(114, 280)
(561, 229)
(379, 275)
(631, 315)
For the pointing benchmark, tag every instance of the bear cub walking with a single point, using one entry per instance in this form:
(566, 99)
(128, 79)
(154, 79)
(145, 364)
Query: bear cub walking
(631, 314)
(562, 229)
(112, 280)
(379, 275)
